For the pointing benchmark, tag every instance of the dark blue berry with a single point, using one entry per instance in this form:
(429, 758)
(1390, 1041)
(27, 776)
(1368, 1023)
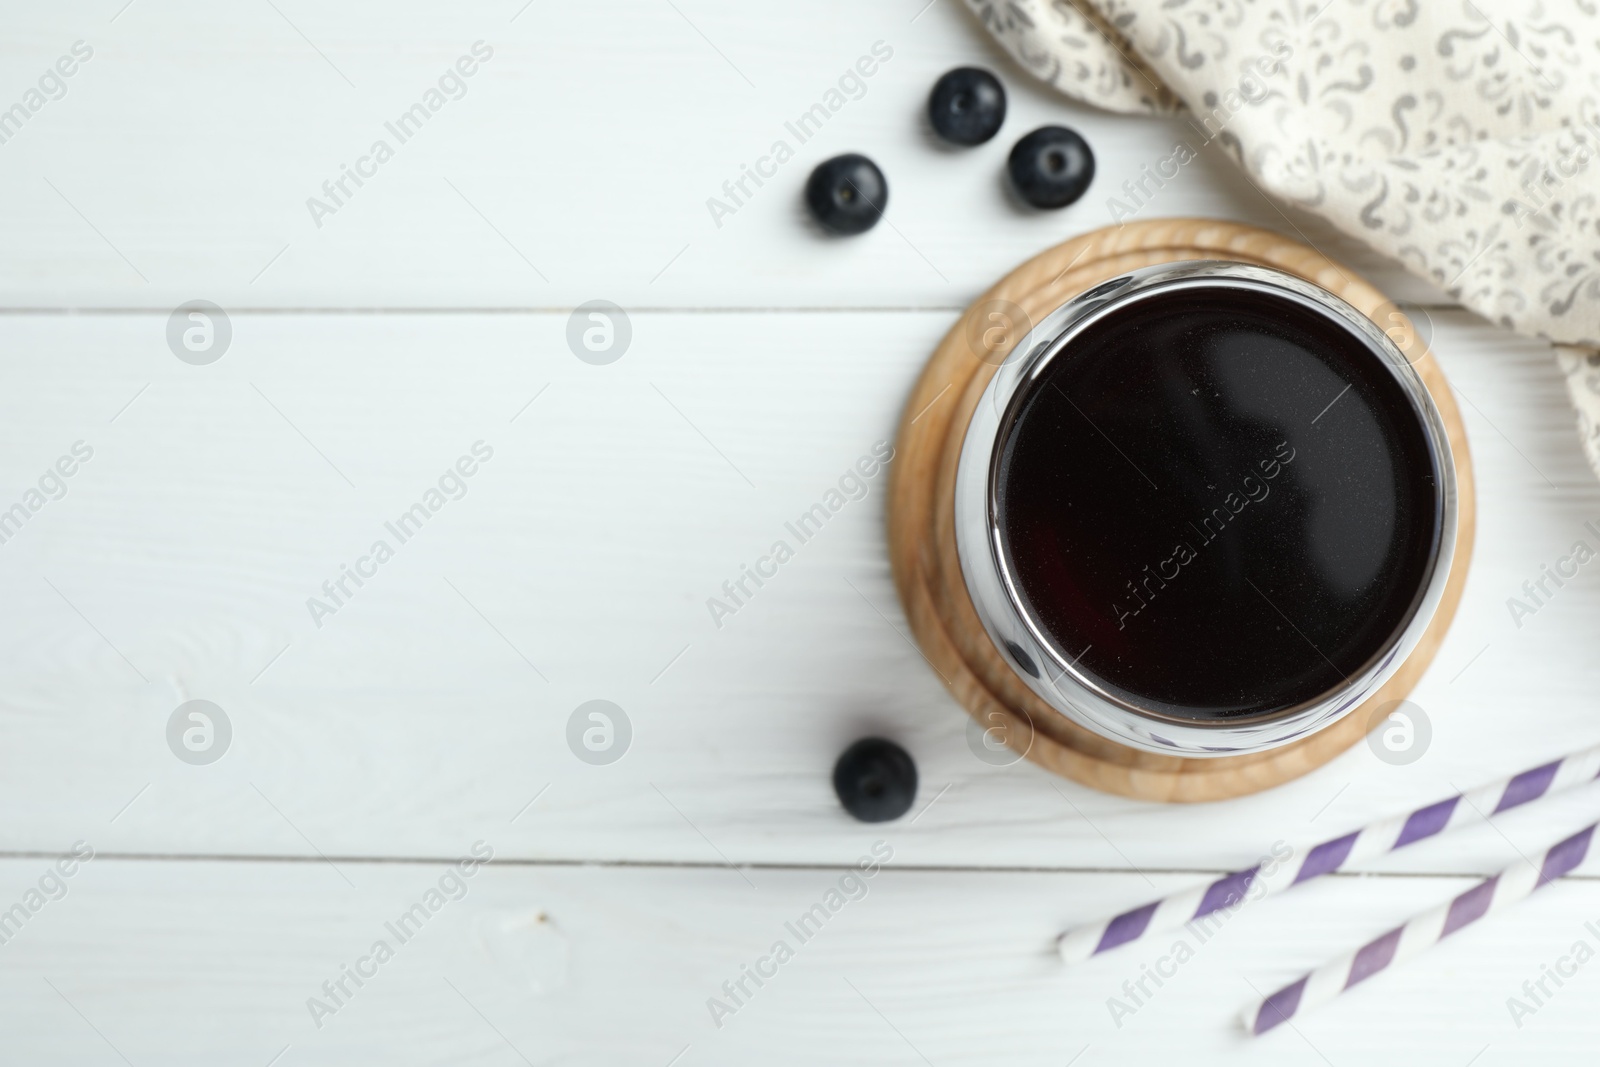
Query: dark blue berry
(847, 194)
(967, 105)
(876, 780)
(1051, 167)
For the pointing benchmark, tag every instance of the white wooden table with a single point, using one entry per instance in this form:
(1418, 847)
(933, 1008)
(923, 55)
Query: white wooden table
(430, 312)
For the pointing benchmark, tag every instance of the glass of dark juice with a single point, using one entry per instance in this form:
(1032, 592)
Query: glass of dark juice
(1206, 508)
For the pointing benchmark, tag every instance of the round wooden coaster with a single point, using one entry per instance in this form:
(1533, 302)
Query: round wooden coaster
(922, 548)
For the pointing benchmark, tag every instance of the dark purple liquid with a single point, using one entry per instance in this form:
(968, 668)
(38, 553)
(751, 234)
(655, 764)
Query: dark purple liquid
(1220, 502)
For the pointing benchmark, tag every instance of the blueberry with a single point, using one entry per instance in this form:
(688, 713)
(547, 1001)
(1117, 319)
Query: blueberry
(967, 105)
(847, 194)
(1051, 167)
(875, 779)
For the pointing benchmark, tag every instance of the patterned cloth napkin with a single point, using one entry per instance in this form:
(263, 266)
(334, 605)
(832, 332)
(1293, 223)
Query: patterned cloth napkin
(1460, 137)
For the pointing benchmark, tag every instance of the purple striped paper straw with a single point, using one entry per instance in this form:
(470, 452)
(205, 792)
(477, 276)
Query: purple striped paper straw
(1385, 835)
(1418, 935)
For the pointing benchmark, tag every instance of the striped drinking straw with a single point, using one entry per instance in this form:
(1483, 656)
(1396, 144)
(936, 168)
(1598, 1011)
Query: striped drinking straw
(1418, 935)
(1385, 835)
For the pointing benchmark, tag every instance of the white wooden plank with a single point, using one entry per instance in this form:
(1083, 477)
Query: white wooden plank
(204, 963)
(180, 562)
(577, 164)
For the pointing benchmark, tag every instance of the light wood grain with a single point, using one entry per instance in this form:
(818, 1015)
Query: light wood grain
(584, 151)
(200, 963)
(592, 542)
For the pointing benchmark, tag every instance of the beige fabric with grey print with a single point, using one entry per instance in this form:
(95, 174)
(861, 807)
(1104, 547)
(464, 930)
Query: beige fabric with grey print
(1459, 137)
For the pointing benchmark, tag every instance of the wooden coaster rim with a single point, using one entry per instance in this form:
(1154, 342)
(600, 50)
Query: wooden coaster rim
(922, 535)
